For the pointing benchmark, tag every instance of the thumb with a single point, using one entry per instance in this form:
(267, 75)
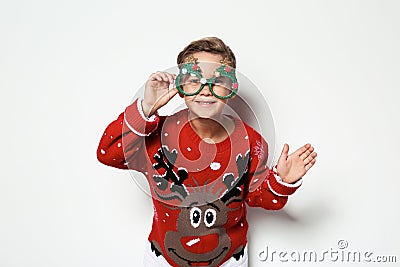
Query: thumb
(284, 153)
(163, 99)
(167, 96)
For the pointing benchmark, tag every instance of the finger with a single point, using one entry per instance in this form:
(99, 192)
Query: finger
(158, 77)
(163, 99)
(155, 77)
(163, 75)
(309, 165)
(306, 153)
(284, 153)
(172, 92)
(310, 158)
(170, 77)
(166, 97)
(301, 150)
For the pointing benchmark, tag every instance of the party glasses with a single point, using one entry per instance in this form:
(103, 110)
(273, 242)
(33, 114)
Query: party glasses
(190, 81)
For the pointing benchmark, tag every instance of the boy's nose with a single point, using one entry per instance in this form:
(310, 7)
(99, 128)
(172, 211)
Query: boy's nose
(206, 90)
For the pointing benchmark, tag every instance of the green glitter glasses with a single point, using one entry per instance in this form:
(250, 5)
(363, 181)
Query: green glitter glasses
(190, 81)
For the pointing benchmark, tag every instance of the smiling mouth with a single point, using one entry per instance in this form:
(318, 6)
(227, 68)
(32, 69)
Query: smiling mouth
(205, 103)
(199, 263)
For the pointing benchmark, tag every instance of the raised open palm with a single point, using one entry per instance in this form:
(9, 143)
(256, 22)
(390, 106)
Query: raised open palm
(292, 167)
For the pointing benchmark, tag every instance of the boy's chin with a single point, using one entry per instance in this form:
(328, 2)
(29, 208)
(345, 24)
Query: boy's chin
(205, 115)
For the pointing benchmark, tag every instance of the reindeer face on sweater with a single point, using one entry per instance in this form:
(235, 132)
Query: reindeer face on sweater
(200, 238)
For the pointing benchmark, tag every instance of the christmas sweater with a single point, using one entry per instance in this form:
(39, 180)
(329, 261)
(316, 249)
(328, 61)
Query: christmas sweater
(199, 189)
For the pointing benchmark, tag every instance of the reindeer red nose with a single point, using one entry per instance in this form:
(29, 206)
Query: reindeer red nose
(200, 244)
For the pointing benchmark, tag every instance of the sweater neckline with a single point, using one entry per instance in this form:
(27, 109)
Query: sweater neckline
(220, 146)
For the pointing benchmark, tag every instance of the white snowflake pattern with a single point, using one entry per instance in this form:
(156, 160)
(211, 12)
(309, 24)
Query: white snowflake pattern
(215, 166)
(259, 150)
(155, 214)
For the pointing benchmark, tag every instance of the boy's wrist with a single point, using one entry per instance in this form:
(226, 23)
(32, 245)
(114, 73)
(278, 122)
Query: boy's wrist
(136, 120)
(280, 187)
(284, 178)
(146, 110)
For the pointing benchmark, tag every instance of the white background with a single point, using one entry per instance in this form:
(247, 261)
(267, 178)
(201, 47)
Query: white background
(329, 71)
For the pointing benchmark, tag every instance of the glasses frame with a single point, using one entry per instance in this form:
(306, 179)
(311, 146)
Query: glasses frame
(193, 68)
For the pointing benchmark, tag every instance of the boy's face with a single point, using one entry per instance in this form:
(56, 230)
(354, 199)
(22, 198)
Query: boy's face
(205, 104)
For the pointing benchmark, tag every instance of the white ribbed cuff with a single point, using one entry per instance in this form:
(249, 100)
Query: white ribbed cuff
(140, 109)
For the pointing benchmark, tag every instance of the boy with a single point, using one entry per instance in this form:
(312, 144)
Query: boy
(201, 165)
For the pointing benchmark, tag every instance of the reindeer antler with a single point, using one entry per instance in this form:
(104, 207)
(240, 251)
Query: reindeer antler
(166, 159)
(233, 185)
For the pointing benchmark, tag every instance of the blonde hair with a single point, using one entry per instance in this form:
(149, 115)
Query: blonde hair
(212, 45)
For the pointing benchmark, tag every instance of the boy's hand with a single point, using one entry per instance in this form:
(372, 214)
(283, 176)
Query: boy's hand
(292, 167)
(157, 92)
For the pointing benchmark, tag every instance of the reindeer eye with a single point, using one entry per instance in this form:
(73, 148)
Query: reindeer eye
(195, 217)
(210, 216)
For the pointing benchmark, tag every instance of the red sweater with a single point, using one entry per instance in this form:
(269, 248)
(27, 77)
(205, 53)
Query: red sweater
(199, 189)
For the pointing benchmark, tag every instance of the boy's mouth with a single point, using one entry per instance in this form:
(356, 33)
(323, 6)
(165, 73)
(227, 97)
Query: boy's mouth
(205, 103)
